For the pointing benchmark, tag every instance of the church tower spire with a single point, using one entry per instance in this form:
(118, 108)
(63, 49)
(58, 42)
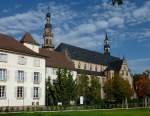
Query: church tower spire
(106, 45)
(48, 35)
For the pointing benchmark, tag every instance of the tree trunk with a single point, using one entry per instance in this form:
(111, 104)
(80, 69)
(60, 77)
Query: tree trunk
(145, 101)
(126, 103)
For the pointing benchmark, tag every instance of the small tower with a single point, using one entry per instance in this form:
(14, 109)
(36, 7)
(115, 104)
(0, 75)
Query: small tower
(48, 35)
(106, 46)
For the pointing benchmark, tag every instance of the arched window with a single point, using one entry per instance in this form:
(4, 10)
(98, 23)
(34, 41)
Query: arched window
(85, 66)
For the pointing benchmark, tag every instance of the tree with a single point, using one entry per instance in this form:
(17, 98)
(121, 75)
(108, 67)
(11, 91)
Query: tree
(108, 89)
(119, 2)
(65, 86)
(89, 88)
(51, 97)
(142, 88)
(62, 89)
(118, 89)
(83, 86)
(94, 96)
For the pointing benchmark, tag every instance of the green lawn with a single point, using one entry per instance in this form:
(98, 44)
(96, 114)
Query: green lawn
(133, 112)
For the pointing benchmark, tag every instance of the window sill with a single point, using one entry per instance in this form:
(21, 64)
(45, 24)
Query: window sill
(20, 81)
(3, 80)
(36, 98)
(20, 98)
(3, 98)
(36, 83)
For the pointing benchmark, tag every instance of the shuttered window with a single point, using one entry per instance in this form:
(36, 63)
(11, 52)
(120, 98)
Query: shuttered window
(20, 92)
(2, 91)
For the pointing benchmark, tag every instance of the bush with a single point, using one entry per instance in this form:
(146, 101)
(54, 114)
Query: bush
(7, 109)
(11, 109)
(1, 109)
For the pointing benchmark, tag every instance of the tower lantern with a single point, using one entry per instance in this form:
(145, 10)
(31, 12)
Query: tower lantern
(48, 35)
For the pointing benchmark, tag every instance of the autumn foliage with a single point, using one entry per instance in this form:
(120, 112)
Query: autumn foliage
(142, 86)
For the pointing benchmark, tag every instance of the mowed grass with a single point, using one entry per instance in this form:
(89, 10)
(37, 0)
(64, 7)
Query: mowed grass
(130, 112)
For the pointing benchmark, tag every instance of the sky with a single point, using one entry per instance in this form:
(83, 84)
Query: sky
(83, 23)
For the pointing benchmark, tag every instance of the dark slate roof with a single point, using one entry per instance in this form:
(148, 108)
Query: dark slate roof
(115, 65)
(88, 72)
(81, 54)
(27, 38)
(11, 44)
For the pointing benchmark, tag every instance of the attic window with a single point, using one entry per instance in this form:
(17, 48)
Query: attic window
(37, 62)
(22, 60)
(3, 57)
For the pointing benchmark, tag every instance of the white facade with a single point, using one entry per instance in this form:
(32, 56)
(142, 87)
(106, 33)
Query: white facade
(51, 72)
(19, 74)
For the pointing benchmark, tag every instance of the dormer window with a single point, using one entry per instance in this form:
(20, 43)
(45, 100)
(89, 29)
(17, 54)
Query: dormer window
(3, 57)
(37, 62)
(22, 60)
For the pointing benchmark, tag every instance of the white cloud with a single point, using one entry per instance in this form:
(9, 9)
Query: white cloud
(139, 65)
(18, 23)
(102, 24)
(86, 28)
(142, 12)
(114, 21)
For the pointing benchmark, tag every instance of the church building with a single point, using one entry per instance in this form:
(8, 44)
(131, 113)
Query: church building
(25, 66)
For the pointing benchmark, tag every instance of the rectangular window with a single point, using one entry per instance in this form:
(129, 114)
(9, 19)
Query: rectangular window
(95, 68)
(20, 92)
(3, 74)
(127, 73)
(22, 60)
(79, 65)
(3, 57)
(36, 77)
(91, 67)
(37, 62)
(2, 92)
(36, 92)
(85, 66)
(20, 76)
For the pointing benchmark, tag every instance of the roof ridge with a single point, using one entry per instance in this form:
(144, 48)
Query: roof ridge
(79, 48)
(28, 38)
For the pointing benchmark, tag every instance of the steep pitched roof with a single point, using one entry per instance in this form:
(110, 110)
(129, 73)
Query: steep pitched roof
(56, 59)
(11, 44)
(27, 38)
(81, 54)
(115, 65)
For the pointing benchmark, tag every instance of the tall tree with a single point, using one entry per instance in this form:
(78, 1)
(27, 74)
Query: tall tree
(108, 89)
(83, 86)
(94, 96)
(118, 89)
(119, 2)
(65, 86)
(142, 88)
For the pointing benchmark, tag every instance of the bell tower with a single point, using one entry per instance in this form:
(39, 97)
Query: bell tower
(106, 45)
(48, 35)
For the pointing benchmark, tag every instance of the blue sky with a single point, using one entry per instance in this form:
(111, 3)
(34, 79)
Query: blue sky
(83, 23)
